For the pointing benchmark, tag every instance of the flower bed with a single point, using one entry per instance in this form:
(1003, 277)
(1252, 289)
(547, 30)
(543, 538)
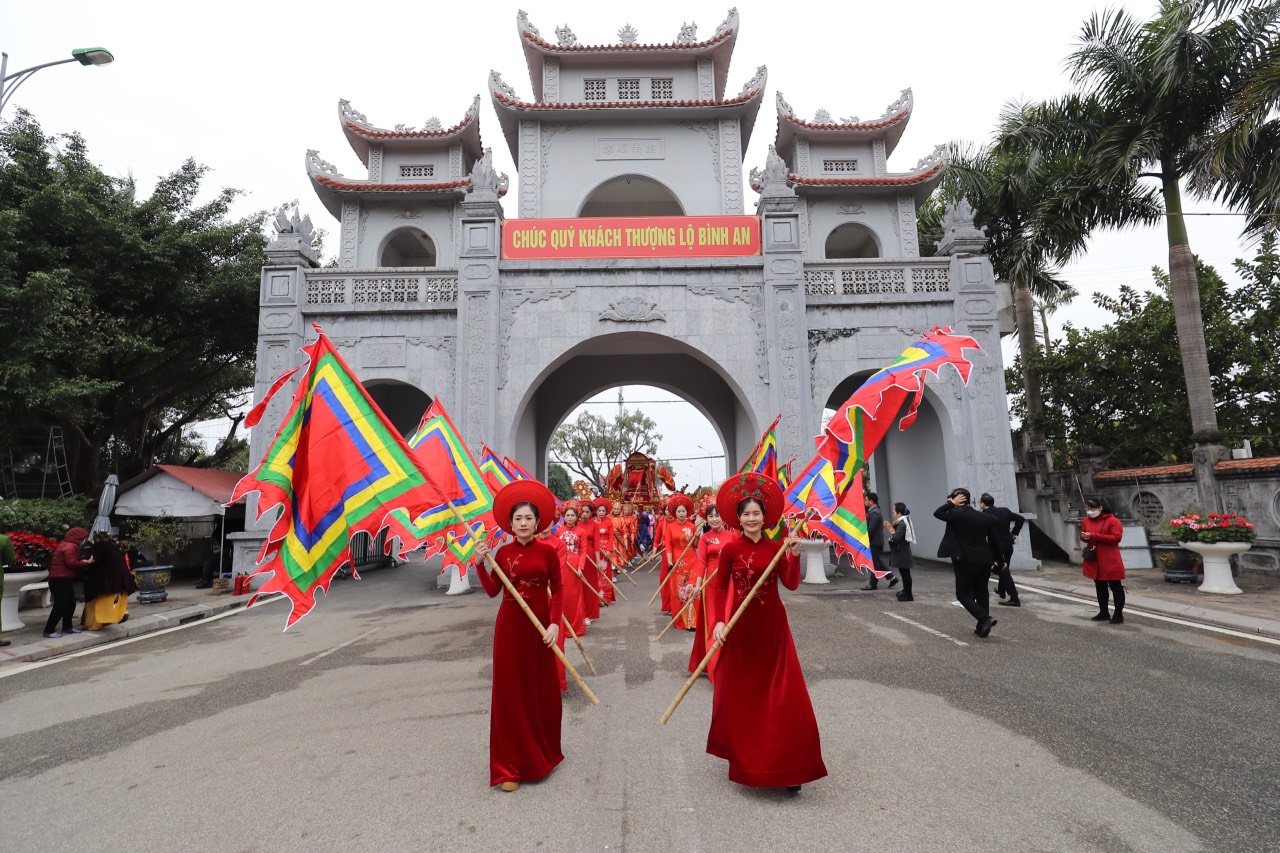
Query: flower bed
(34, 552)
(1212, 527)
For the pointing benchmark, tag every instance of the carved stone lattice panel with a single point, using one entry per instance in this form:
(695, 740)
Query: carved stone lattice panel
(551, 80)
(881, 160)
(512, 299)
(375, 162)
(530, 157)
(802, 157)
(365, 291)
(327, 291)
(455, 161)
(907, 227)
(440, 290)
(364, 221)
(731, 148)
(883, 280)
(1148, 509)
(820, 282)
(706, 86)
(931, 279)
(350, 218)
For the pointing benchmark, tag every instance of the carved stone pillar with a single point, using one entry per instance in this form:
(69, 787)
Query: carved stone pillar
(785, 324)
(476, 396)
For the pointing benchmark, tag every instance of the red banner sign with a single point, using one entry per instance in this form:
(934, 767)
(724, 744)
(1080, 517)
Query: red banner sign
(631, 237)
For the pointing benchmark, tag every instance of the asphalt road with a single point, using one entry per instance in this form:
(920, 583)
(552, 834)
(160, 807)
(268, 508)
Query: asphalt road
(365, 727)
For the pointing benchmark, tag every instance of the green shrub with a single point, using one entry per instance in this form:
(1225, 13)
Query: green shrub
(49, 517)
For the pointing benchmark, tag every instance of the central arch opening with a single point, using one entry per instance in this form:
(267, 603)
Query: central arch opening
(607, 362)
(631, 195)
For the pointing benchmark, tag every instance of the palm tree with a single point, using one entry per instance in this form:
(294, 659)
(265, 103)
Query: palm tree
(1048, 304)
(1159, 90)
(1039, 210)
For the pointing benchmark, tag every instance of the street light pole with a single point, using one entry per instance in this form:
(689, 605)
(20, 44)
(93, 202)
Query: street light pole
(83, 55)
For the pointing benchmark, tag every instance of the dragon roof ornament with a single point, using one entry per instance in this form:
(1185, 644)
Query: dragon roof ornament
(522, 22)
(727, 23)
(756, 81)
(501, 87)
(933, 158)
(784, 108)
(350, 113)
(565, 36)
(316, 164)
(903, 103)
(688, 33)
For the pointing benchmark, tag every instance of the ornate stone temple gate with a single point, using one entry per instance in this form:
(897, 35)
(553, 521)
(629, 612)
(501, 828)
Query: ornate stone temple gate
(436, 293)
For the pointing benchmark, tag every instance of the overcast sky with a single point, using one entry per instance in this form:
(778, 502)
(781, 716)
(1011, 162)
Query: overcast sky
(246, 88)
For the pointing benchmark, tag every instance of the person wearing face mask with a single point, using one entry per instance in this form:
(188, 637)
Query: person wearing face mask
(1100, 531)
(525, 715)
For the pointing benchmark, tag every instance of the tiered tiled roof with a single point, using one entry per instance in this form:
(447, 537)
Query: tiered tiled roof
(889, 126)
(361, 134)
(331, 186)
(906, 180)
(684, 51)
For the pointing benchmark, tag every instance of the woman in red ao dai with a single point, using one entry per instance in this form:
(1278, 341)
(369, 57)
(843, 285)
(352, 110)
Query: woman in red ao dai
(525, 715)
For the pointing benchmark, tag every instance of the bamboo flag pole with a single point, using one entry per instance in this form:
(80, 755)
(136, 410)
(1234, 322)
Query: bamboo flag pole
(524, 605)
(586, 657)
(588, 585)
(689, 603)
(626, 574)
(695, 538)
(675, 703)
(604, 575)
(648, 558)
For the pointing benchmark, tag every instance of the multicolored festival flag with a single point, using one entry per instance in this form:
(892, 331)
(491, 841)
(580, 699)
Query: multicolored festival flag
(764, 458)
(494, 472)
(441, 450)
(517, 470)
(830, 487)
(336, 467)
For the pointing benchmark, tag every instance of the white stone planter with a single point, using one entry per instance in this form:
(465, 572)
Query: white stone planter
(14, 581)
(1217, 565)
(814, 554)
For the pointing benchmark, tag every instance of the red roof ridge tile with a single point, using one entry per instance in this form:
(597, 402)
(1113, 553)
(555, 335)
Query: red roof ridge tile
(878, 124)
(359, 186)
(885, 181)
(211, 482)
(377, 133)
(587, 48)
(515, 103)
(1148, 471)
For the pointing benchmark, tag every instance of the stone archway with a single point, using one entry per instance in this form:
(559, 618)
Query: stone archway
(407, 247)
(851, 240)
(632, 358)
(402, 403)
(909, 466)
(631, 195)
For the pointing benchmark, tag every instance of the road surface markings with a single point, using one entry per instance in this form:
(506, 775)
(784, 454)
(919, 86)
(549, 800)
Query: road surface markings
(339, 647)
(1129, 611)
(926, 629)
(27, 667)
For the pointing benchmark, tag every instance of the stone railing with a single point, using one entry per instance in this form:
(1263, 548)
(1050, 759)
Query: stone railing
(388, 287)
(922, 279)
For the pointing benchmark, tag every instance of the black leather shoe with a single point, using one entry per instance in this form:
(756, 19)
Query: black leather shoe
(906, 596)
(1000, 592)
(1101, 617)
(892, 582)
(1013, 602)
(793, 789)
(4, 643)
(1118, 619)
(868, 586)
(985, 626)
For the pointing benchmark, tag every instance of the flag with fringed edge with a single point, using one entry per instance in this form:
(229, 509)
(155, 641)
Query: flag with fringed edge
(829, 490)
(763, 458)
(494, 472)
(335, 467)
(440, 449)
(517, 470)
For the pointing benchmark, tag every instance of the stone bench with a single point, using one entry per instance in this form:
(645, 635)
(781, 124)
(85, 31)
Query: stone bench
(31, 591)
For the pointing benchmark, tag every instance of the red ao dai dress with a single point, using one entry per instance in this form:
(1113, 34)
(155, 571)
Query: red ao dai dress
(684, 565)
(606, 545)
(709, 548)
(562, 557)
(589, 548)
(762, 720)
(524, 720)
(575, 540)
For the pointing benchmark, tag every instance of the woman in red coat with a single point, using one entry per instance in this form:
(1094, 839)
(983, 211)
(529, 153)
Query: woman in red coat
(1102, 531)
(524, 719)
(761, 718)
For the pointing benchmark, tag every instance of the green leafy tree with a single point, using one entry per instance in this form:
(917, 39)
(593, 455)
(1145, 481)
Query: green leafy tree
(125, 320)
(558, 481)
(591, 446)
(1117, 387)
(1156, 93)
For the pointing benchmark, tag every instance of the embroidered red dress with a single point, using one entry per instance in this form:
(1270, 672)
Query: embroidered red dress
(574, 594)
(684, 566)
(562, 557)
(709, 548)
(590, 601)
(604, 541)
(524, 719)
(762, 721)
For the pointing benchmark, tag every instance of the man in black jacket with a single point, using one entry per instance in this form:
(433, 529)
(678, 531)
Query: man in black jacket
(1005, 518)
(875, 538)
(972, 543)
